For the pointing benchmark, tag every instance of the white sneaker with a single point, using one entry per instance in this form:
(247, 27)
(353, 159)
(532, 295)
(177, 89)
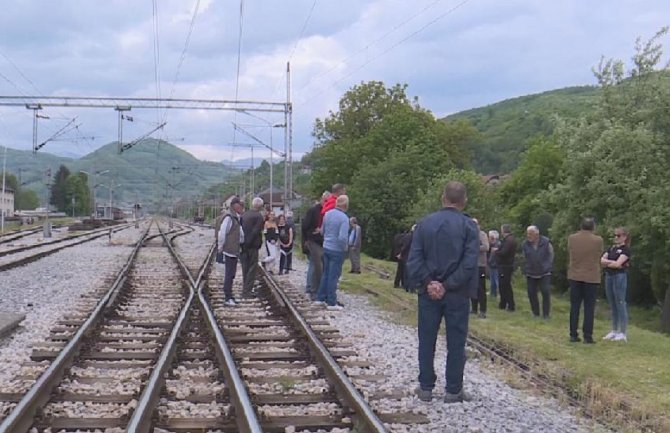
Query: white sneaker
(318, 303)
(335, 307)
(230, 303)
(620, 336)
(610, 336)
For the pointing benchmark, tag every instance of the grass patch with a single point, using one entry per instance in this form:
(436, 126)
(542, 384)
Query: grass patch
(628, 383)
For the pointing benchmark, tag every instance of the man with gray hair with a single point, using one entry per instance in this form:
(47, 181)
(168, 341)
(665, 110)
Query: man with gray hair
(539, 254)
(355, 240)
(442, 265)
(335, 230)
(252, 226)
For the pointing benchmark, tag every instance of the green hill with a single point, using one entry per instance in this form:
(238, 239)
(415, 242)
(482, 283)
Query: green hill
(507, 126)
(150, 172)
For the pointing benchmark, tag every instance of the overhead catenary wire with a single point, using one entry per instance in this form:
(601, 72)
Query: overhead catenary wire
(371, 44)
(239, 61)
(386, 51)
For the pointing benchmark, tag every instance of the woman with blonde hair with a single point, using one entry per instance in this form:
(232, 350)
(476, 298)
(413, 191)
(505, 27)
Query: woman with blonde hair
(616, 261)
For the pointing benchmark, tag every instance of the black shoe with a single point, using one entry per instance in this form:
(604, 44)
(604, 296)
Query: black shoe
(575, 339)
(589, 340)
(339, 303)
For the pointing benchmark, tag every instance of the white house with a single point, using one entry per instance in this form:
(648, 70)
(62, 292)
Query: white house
(7, 202)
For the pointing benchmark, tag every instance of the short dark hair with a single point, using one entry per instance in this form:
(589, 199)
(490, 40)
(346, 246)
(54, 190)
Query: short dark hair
(506, 228)
(337, 188)
(588, 223)
(454, 192)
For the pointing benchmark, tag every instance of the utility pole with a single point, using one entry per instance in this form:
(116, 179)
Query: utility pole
(288, 122)
(73, 202)
(286, 157)
(120, 110)
(46, 230)
(4, 166)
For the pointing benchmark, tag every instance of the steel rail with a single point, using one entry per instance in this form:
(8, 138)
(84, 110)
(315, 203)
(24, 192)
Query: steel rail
(367, 420)
(247, 422)
(21, 418)
(245, 415)
(140, 421)
(12, 236)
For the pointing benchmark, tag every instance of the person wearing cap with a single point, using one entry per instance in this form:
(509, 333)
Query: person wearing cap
(230, 239)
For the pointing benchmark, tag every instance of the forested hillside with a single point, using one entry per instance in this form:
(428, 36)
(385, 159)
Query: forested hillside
(506, 127)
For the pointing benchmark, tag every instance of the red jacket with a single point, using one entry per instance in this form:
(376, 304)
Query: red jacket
(328, 205)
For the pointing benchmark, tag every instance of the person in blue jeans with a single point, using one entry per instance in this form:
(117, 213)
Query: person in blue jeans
(335, 229)
(616, 261)
(443, 266)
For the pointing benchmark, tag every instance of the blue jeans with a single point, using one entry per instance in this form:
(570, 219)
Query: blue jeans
(616, 286)
(332, 269)
(493, 277)
(455, 309)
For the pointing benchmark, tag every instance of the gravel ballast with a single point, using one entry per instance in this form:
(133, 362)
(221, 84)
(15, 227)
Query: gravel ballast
(48, 288)
(495, 406)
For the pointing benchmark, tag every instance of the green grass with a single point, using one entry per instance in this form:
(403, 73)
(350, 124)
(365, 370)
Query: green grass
(604, 376)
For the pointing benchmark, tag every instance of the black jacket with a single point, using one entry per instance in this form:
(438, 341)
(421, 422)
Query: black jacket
(309, 223)
(505, 255)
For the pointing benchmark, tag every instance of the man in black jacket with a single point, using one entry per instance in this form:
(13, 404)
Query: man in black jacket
(312, 246)
(395, 257)
(252, 226)
(505, 258)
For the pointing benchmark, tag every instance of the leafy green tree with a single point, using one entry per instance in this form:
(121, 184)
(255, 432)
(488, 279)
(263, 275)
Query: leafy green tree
(386, 149)
(524, 194)
(26, 199)
(616, 166)
(58, 189)
(76, 187)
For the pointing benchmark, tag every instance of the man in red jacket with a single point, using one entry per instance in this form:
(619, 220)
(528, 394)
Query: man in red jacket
(337, 190)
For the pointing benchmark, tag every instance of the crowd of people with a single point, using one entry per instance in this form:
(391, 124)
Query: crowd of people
(329, 235)
(446, 258)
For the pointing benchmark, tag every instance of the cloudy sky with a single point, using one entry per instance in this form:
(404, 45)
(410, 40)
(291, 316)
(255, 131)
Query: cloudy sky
(453, 54)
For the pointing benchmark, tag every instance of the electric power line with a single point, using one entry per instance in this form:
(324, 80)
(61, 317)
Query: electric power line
(400, 42)
(239, 58)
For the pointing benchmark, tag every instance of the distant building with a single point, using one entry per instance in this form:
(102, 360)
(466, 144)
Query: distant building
(7, 202)
(295, 200)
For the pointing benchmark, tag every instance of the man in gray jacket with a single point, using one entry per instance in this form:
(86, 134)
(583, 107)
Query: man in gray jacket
(355, 237)
(231, 237)
(539, 255)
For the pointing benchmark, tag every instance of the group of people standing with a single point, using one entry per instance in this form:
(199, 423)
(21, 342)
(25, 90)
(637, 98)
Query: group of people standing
(241, 235)
(447, 266)
(328, 234)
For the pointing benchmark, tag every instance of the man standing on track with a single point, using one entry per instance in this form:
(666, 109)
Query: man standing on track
(312, 241)
(231, 237)
(443, 266)
(252, 227)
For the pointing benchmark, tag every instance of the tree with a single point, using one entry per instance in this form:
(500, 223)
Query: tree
(26, 199)
(617, 160)
(76, 188)
(58, 189)
(386, 149)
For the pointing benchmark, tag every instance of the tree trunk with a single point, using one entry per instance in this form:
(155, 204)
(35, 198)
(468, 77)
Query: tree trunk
(665, 315)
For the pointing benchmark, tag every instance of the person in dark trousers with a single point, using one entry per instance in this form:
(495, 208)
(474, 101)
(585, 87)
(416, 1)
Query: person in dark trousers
(291, 224)
(539, 255)
(505, 259)
(405, 246)
(355, 241)
(313, 245)
(252, 227)
(479, 303)
(395, 254)
(285, 244)
(494, 245)
(584, 251)
(443, 267)
(231, 237)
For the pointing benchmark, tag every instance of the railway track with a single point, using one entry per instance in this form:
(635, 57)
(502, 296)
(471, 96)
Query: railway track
(159, 352)
(10, 237)
(21, 255)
